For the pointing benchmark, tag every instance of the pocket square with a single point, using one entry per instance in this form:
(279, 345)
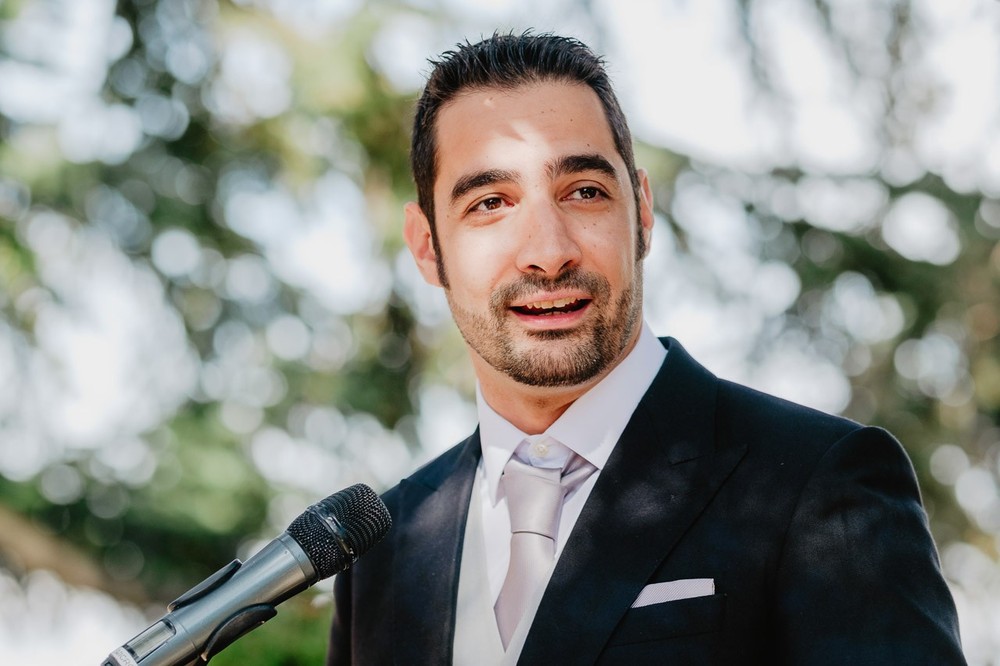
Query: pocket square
(674, 590)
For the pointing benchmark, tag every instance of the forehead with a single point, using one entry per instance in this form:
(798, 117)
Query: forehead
(514, 128)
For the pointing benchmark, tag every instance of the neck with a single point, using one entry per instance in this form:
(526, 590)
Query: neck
(531, 409)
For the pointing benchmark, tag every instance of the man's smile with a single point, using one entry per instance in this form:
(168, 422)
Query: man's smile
(548, 308)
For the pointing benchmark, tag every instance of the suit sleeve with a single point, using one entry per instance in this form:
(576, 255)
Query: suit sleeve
(859, 580)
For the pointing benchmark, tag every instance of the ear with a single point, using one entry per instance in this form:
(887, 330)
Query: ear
(417, 234)
(645, 210)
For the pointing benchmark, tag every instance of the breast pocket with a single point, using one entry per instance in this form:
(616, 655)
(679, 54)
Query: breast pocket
(684, 617)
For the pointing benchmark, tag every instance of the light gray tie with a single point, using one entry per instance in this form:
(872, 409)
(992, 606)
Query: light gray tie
(534, 500)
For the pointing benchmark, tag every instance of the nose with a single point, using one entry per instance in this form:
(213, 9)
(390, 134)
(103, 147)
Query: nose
(548, 245)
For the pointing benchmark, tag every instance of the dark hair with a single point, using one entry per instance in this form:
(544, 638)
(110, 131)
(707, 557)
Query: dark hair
(505, 62)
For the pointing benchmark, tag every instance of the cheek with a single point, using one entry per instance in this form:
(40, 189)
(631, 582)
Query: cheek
(613, 250)
(472, 262)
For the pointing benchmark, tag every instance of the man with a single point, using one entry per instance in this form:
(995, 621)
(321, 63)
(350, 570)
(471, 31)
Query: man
(695, 521)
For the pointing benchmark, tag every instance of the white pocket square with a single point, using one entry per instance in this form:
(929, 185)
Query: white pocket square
(674, 590)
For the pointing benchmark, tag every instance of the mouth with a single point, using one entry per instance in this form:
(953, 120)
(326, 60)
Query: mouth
(551, 308)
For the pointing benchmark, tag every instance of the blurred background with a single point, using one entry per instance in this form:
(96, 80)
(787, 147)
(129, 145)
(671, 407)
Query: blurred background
(208, 320)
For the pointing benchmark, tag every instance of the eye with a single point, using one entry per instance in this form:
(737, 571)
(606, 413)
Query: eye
(587, 192)
(488, 204)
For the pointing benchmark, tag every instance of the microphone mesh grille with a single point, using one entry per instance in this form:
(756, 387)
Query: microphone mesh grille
(336, 531)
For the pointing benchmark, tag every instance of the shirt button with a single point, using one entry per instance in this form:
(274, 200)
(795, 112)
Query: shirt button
(540, 449)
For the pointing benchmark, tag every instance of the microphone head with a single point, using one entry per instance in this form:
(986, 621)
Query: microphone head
(336, 531)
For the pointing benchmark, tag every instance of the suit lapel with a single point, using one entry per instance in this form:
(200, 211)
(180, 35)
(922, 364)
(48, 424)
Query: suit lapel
(663, 472)
(435, 505)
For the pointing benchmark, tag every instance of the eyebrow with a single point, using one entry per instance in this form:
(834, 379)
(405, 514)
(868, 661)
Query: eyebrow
(570, 164)
(472, 181)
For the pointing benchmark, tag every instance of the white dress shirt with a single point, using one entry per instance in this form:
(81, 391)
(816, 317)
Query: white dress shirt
(590, 428)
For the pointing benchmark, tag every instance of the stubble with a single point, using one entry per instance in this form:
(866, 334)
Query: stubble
(554, 358)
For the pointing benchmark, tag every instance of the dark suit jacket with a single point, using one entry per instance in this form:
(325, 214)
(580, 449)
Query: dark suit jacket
(810, 524)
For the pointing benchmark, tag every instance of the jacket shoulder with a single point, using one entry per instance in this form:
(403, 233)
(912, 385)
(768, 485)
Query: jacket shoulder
(757, 409)
(741, 414)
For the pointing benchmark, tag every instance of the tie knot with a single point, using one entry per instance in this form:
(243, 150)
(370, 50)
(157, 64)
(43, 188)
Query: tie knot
(535, 495)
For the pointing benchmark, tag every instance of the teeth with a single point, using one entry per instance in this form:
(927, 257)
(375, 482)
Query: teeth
(548, 305)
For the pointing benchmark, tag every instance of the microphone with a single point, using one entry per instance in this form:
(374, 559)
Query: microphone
(324, 540)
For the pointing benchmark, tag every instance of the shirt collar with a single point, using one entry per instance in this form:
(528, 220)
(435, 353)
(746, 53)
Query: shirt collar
(590, 427)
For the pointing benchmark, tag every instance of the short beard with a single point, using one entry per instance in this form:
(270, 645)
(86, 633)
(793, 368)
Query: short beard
(598, 346)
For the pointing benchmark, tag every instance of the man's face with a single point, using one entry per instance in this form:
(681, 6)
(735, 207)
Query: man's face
(538, 233)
